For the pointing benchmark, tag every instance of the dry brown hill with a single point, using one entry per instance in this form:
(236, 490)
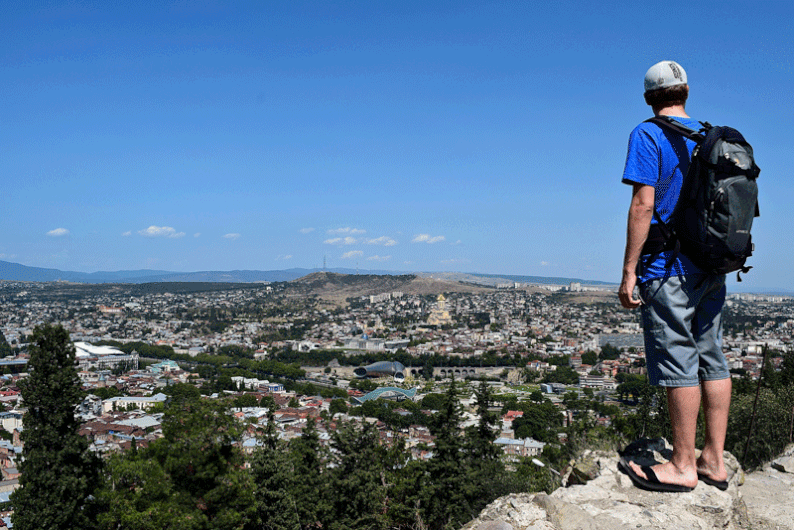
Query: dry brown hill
(338, 287)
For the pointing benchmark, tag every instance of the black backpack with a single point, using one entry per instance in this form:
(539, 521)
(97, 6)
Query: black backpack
(711, 221)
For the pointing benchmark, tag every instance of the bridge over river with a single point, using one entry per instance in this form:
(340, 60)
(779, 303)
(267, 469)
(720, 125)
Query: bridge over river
(460, 372)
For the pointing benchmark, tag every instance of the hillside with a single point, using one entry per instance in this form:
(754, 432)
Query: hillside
(338, 287)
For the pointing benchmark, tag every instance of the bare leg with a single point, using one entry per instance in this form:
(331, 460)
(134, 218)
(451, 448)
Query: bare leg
(684, 404)
(716, 402)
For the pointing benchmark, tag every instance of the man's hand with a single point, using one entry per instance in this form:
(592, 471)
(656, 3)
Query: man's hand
(640, 214)
(626, 291)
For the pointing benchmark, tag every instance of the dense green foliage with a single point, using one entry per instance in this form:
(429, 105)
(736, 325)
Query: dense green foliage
(773, 426)
(192, 478)
(321, 357)
(59, 474)
(590, 357)
(5, 348)
(537, 419)
(609, 352)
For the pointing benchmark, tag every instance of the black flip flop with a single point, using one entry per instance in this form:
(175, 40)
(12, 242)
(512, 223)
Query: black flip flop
(719, 484)
(651, 483)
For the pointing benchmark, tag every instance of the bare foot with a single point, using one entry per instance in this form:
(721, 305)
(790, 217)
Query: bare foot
(668, 473)
(712, 468)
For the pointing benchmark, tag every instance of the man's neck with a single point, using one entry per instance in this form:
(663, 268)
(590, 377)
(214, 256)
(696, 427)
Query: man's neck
(677, 111)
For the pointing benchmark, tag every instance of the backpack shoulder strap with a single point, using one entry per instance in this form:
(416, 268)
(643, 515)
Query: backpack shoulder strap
(666, 122)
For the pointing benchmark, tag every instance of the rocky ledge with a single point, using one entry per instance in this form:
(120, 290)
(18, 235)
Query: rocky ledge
(604, 498)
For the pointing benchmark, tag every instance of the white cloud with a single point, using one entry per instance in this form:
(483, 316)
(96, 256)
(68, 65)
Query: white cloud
(58, 232)
(160, 231)
(383, 240)
(232, 236)
(128, 233)
(347, 230)
(352, 254)
(456, 243)
(341, 241)
(306, 230)
(280, 257)
(197, 234)
(379, 258)
(544, 263)
(455, 261)
(427, 238)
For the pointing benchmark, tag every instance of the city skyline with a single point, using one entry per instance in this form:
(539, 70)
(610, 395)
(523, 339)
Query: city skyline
(474, 137)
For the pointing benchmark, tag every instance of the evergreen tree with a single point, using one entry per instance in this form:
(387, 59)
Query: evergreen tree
(139, 495)
(197, 452)
(273, 479)
(427, 370)
(445, 494)
(309, 489)
(487, 475)
(481, 437)
(5, 348)
(59, 474)
(359, 494)
(191, 479)
(401, 476)
(769, 376)
(787, 369)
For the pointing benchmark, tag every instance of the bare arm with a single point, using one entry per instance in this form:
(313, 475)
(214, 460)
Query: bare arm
(640, 214)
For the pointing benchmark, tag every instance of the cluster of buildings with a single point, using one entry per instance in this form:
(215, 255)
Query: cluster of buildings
(527, 325)
(525, 322)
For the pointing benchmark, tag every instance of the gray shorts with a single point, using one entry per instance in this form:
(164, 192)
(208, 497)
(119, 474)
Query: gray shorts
(682, 322)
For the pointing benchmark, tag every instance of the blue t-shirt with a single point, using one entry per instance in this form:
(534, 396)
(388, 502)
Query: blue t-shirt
(660, 158)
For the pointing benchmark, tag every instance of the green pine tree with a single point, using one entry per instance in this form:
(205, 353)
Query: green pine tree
(787, 369)
(59, 473)
(445, 494)
(272, 474)
(487, 478)
(359, 498)
(139, 495)
(5, 348)
(309, 489)
(481, 437)
(199, 456)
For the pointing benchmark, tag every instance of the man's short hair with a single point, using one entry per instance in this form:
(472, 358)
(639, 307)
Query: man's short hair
(674, 95)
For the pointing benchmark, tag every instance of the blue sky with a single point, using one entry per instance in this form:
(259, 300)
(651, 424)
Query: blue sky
(431, 136)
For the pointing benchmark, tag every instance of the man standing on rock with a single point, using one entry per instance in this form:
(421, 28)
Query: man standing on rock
(681, 306)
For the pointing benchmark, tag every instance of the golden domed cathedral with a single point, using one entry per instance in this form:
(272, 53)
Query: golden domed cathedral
(439, 315)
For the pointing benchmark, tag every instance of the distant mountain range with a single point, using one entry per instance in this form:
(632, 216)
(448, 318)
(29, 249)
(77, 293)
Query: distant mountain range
(16, 272)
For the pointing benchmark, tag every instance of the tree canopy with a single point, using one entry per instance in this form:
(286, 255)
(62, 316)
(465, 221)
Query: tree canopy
(59, 473)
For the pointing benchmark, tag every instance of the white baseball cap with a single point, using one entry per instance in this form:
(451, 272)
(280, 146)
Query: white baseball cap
(664, 74)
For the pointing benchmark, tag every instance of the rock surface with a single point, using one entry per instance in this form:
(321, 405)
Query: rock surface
(763, 500)
(769, 494)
